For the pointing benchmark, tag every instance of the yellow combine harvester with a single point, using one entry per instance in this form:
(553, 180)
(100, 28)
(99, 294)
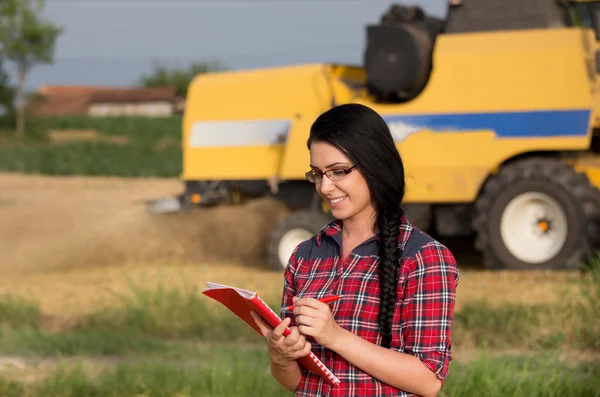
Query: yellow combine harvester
(495, 111)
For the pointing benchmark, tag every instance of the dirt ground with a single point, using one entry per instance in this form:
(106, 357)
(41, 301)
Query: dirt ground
(69, 241)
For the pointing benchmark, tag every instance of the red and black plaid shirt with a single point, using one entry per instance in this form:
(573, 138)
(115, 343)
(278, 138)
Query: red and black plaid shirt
(428, 278)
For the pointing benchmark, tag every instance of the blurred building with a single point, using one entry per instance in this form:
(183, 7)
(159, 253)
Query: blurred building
(101, 101)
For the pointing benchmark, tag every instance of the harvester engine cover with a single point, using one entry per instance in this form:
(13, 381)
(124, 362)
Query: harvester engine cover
(398, 55)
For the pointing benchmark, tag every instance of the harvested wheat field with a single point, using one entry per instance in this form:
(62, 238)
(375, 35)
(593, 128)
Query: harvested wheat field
(70, 242)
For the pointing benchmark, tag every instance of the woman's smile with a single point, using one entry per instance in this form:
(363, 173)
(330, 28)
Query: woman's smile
(336, 201)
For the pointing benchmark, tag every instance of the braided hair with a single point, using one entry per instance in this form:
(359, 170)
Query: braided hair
(363, 135)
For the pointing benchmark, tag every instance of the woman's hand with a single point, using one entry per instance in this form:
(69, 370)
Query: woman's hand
(314, 318)
(283, 350)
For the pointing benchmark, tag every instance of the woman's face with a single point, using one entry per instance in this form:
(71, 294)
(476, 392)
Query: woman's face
(349, 197)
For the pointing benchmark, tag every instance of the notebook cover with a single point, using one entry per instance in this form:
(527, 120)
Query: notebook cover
(241, 302)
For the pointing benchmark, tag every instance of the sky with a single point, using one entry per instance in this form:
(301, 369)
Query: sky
(113, 42)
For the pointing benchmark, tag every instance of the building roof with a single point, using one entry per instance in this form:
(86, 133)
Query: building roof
(134, 95)
(75, 99)
(57, 89)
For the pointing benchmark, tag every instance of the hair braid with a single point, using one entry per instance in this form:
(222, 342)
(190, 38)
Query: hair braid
(389, 225)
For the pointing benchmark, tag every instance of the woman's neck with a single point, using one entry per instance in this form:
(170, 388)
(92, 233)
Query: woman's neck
(361, 226)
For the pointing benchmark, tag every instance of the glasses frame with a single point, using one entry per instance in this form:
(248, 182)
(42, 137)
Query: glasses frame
(346, 171)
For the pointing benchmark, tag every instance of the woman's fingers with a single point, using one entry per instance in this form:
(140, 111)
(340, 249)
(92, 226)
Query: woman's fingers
(306, 349)
(262, 325)
(303, 350)
(299, 342)
(290, 347)
(280, 329)
(305, 320)
(292, 338)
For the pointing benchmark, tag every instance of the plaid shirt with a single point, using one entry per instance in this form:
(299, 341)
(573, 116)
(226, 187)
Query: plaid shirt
(428, 278)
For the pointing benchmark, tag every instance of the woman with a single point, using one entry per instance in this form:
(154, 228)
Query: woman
(389, 334)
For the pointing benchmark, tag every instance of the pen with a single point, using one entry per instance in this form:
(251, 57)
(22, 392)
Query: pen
(327, 299)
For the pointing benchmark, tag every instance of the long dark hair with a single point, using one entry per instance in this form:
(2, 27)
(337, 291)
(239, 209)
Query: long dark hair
(362, 135)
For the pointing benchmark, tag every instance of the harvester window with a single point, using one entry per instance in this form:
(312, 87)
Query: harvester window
(582, 14)
(495, 15)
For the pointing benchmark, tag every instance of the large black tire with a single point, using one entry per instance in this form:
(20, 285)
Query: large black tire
(555, 182)
(297, 227)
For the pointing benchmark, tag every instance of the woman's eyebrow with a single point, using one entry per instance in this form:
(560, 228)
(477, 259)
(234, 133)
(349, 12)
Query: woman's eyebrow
(331, 165)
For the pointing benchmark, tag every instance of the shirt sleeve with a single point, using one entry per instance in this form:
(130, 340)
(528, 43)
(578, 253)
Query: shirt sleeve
(428, 307)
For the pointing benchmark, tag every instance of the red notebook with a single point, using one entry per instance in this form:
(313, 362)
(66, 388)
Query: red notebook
(241, 302)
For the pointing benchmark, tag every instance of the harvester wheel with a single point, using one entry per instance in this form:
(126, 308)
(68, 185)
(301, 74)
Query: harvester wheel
(297, 227)
(537, 213)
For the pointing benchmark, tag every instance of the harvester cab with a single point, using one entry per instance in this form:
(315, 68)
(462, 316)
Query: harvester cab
(494, 109)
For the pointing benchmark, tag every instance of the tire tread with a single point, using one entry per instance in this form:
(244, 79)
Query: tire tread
(546, 170)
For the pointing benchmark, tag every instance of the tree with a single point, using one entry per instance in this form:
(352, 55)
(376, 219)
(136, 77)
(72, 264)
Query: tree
(7, 95)
(27, 39)
(179, 78)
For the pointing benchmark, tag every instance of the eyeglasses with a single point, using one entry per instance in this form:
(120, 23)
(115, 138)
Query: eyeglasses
(316, 176)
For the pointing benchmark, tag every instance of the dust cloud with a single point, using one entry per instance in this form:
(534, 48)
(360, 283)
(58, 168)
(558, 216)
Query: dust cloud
(49, 224)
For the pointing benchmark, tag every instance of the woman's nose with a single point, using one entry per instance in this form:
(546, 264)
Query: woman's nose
(326, 185)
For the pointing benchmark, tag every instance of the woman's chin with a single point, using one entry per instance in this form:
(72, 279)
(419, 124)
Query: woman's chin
(341, 213)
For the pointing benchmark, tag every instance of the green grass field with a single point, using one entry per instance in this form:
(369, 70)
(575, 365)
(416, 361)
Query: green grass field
(111, 146)
(233, 372)
(176, 342)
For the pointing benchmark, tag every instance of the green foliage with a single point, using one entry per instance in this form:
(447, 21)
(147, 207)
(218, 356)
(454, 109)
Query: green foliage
(574, 322)
(159, 341)
(125, 146)
(170, 314)
(92, 159)
(35, 341)
(180, 78)
(18, 312)
(587, 305)
(27, 39)
(242, 371)
(7, 95)
(521, 376)
(215, 372)
(147, 316)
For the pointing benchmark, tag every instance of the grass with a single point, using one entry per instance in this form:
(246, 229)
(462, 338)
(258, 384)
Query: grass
(18, 312)
(147, 147)
(573, 322)
(226, 371)
(145, 317)
(143, 130)
(522, 376)
(145, 320)
(176, 342)
(219, 371)
(35, 342)
(91, 158)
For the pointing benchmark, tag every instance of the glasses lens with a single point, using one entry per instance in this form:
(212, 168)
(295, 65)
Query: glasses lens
(336, 175)
(311, 176)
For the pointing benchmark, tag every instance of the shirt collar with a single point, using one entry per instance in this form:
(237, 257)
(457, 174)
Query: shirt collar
(334, 228)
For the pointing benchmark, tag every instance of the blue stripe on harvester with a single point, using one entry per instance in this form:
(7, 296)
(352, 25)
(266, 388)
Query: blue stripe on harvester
(551, 123)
